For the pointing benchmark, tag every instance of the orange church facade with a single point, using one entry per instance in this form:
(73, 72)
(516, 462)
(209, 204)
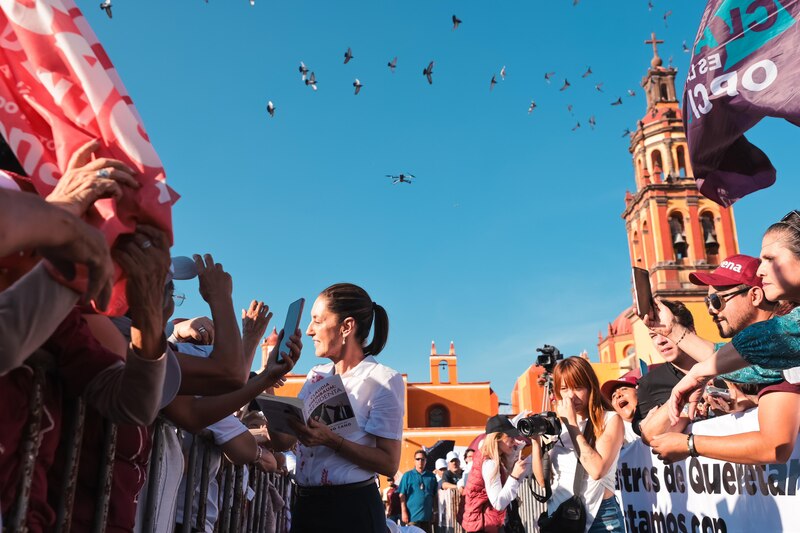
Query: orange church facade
(440, 409)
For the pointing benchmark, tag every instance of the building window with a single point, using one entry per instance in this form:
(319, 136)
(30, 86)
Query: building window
(709, 237)
(678, 234)
(681, 161)
(664, 92)
(658, 165)
(438, 416)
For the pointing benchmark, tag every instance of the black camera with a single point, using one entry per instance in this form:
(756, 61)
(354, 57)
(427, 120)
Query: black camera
(550, 356)
(546, 423)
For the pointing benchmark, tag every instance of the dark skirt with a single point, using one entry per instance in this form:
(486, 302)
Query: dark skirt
(353, 508)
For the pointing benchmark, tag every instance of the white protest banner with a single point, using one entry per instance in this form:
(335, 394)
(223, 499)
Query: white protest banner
(700, 495)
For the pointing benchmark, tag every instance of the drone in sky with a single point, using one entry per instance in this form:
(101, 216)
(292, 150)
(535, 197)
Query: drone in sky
(401, 178)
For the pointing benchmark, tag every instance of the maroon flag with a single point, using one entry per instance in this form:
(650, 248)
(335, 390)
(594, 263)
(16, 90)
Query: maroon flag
(745, 66)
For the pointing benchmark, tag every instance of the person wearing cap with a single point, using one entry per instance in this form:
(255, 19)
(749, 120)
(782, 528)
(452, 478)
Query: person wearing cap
(495, 477)
(736, 300)
(591, 435)
(621, 394)
(651, 415)
(418, 489)
(453, 474)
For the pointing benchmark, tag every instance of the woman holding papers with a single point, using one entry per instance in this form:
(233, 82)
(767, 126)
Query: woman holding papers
(336, 470)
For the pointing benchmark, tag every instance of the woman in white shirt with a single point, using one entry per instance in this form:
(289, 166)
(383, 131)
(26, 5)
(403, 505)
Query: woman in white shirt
(579, 399)
(494, 478)
(335, 474)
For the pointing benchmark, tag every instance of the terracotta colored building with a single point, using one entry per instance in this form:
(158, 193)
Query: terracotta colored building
(672, 231)
(440, 409)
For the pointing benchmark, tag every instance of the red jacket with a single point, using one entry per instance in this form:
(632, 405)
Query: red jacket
(479, 515)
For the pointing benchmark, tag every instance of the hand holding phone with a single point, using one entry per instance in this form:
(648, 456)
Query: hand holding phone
(293, 316)
(643, 295)
(718, 392)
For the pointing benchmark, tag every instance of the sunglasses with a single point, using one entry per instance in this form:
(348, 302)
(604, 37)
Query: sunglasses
(787, 219)
(717, 300)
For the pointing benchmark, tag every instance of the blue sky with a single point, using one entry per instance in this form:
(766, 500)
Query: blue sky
(510, 237)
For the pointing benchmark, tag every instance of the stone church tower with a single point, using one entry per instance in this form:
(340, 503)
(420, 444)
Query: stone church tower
(672, 229)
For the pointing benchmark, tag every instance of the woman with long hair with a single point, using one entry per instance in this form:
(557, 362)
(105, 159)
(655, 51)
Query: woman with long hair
(773, 343)
(579, 402)
(494, 478)
(335, 475)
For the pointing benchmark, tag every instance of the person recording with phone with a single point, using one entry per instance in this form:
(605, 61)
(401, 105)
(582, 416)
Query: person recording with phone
(495, 476)
(584, 457)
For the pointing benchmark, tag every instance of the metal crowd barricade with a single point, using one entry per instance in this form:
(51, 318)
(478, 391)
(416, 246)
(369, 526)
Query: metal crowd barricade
(529, 507)
(450, 502)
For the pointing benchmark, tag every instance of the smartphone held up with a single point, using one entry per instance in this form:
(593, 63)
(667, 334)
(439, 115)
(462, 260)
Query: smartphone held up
(291, 324)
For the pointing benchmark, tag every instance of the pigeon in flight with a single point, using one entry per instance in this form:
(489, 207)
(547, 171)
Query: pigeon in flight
(548, 75)
(666, 16)
(618, 101)
(348, 56)
(565, 86)
(627, 133)
(578, 125)
(106, 5)
(587, 73)
(392, 64)
(569, 108)
(631, 92)
(685, 48)
(493, 82)
(400, 178)
(303, 70)
(311, 81)
(271, 108)
(599, 86)
(428, 73)
(358, 85)
(531, 107)
(503, 73)
(456, 22)
(649, 5)
(592, 122)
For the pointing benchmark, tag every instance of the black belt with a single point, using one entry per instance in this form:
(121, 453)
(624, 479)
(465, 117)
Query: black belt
(328, 490)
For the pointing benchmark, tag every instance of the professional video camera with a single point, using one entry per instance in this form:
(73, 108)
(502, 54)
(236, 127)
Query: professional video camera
(550, 356)
(546, 423)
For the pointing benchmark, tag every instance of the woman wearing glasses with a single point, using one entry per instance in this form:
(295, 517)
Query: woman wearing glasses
(774, 343)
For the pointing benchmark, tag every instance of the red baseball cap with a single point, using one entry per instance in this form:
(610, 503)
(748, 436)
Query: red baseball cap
(735, 270)
(608, 388)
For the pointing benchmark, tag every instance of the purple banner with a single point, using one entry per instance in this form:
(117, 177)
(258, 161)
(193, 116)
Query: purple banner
(745, 66)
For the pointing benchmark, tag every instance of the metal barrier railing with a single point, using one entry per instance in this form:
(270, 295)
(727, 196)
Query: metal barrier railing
(237, 513)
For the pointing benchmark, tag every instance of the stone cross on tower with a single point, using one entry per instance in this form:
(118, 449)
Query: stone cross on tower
(656, 61)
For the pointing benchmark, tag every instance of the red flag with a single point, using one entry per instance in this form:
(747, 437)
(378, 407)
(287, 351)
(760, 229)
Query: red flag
(58, 90)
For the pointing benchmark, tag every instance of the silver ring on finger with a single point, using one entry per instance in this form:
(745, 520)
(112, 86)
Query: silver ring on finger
(201, 329)
(145, 245)
(103, 173)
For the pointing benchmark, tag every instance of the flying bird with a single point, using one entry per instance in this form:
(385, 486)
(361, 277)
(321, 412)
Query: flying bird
(631, 92)
(685, 48)
(303, 70)
(666, 16)
(565, 86)
(358, 85)
(587, 73)
(503, 72)
(592, 122)
(548, 75)
(456, 22)
(428, 73)
(649, 5)
(599, 86)
(569, 108)
(493, 82)
(106, 5)
(271, 108)
(618, 101)
(578, 125)
(392, 64)
(627, 133)
(311, 81)
(401, 178)
(531, 107)
(348, 56)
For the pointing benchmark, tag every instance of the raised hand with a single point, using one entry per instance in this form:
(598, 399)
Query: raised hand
(214, 281)
(275, 370)
(87, 180)
(255, 320)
